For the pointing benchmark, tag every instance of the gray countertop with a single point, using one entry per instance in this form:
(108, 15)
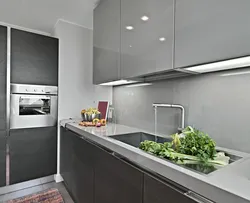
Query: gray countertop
(230, 184)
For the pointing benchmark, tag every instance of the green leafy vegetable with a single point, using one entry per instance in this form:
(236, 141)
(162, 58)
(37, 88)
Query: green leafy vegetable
(196, 143)
(190, 147)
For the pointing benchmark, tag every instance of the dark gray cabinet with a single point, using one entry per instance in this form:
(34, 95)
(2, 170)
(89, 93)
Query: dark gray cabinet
(148, 47)
(3, 68)
(208, 31)
(158, 191)
(34, 58)
(2, 158)
(106, 40)
(33, 153)
(92, 174)
(66, 157)
(116, 180)
(77, 166)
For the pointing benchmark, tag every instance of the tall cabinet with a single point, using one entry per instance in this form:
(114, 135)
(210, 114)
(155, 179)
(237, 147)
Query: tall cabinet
(147, 42)
(34, 60)
(3, 69)
(208, 31)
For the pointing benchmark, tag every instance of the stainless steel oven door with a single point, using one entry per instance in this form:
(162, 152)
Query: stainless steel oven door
(30, 111)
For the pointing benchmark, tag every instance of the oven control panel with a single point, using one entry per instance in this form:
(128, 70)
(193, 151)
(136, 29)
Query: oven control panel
(33, 89)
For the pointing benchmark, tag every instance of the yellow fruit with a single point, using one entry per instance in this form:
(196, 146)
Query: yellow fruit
(96, 120)
(103, 122)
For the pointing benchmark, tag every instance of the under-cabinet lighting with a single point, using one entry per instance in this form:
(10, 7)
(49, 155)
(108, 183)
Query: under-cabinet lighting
(118, 82)
(139, 85)
(235, 73)
(129, 27)
(221, 65)
(145, 18)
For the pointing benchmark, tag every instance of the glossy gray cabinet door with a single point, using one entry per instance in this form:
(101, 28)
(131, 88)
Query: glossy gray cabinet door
(3, 68)
(148, 48)
(106, 58)
(3, 158)
(34, 58)
(213, 30)
(33, 153)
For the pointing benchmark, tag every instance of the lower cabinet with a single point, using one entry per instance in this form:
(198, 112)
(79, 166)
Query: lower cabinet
(93, 174)
(33, 153)
(77, 166)
(2, 158)
(66, 157)
(116, 180)
(158, 191)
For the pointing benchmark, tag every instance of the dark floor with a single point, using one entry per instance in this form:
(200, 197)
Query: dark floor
(38, 188)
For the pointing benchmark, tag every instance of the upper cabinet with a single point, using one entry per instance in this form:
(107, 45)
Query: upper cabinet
(208, 31)
(148, 38)
(147, 28)
(3, 68)
(34, 58)
(106, 42)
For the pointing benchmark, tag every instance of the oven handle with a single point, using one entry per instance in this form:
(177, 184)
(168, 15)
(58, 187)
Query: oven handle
(32, 96)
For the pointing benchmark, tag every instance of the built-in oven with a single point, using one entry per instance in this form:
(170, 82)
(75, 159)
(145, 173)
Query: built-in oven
(33, 106)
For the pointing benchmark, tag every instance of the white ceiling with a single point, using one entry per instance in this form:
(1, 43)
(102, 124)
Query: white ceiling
(42, 15)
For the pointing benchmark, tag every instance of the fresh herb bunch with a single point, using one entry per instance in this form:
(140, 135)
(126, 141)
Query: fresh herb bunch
(196, 143)
(165, 150)
(191, 145)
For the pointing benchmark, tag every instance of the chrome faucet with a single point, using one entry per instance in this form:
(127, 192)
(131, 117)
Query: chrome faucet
(170, 106)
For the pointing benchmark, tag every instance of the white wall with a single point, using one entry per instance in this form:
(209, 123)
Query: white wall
(76, 90)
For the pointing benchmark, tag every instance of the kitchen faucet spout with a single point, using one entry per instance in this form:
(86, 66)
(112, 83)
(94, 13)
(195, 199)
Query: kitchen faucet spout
(170, 106)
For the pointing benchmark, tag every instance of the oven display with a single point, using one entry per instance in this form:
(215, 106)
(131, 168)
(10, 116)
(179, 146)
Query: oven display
(34, 106)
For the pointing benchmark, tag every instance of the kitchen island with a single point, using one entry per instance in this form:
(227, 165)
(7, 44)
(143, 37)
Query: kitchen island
(98, 168)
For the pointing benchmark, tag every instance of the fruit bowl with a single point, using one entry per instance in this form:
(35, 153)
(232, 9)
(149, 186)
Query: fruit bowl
(90, 114)
(90, 117)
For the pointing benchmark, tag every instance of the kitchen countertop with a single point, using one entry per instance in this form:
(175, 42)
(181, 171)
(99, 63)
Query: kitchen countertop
(229, 184)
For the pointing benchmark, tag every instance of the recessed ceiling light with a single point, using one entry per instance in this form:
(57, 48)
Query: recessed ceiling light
(130, 46)
(162, 39)
(129, 27)
(145, 18)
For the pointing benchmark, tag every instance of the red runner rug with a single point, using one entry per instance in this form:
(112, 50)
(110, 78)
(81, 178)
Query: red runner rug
(47, 196)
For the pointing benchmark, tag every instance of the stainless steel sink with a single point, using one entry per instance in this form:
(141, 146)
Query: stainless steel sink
(135, 139)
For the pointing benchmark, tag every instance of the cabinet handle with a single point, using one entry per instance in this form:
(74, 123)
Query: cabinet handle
(196, 197)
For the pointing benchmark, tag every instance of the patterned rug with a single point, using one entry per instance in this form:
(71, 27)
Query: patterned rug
(47, 196)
